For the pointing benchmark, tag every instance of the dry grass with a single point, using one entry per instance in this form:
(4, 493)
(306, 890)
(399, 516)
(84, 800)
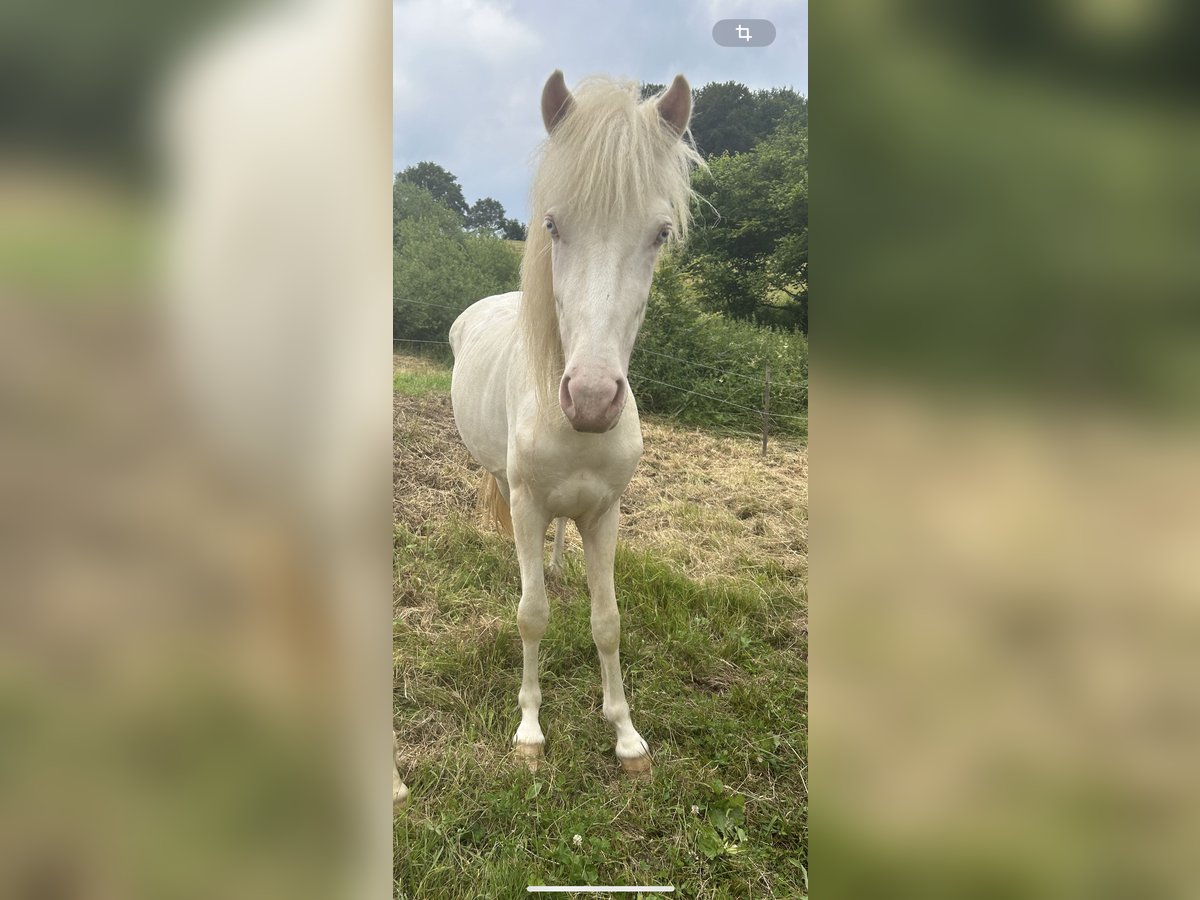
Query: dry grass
(432, 473)
(404, 362)
(715, 506)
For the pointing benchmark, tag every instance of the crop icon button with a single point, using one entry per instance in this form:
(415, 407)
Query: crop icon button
(743, 33)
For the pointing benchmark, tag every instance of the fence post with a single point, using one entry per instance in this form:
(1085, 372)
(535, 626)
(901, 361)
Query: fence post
(766, 414)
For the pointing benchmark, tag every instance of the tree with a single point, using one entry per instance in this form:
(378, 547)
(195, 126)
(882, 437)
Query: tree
(412, 203)
(649, 89)
(752, 261)
(513, 230)
(724, 118)
(442, 185)
(486, 215)
(730, 118)
(776, 105)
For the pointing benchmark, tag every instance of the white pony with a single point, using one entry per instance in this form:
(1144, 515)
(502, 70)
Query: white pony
(540, 388)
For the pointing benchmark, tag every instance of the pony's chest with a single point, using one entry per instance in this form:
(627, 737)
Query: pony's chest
(579, 474)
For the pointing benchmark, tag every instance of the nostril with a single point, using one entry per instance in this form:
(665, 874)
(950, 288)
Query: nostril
(564, 393)
(619, 396)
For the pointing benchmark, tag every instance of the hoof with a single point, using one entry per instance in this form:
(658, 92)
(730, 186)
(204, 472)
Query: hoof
(399, 794)
(530, 754)
(636, 765)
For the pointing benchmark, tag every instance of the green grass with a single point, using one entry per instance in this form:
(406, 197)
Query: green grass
(716, 675)
(419, 384)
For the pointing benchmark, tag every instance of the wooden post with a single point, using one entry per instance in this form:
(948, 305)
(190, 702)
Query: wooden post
(766, 415)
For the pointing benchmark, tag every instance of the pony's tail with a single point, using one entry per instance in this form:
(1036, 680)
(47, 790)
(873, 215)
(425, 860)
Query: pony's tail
(492, 505)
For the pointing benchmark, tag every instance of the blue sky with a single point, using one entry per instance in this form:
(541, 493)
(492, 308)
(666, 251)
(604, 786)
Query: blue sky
(467, 74)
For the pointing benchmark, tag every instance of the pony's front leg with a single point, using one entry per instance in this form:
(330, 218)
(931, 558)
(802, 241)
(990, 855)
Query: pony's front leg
(529, 533)
(599, 550)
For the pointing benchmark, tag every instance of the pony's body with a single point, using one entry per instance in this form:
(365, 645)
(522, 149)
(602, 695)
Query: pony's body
(612, 188)
(545, 470)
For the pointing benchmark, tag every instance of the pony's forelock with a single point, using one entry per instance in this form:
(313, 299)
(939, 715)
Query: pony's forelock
(609, 156)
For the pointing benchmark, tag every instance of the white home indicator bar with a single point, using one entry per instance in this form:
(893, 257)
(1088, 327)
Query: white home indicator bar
(601, 889)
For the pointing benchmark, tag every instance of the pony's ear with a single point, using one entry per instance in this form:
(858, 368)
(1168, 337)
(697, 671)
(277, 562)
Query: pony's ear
(556, 100)
(675, 107)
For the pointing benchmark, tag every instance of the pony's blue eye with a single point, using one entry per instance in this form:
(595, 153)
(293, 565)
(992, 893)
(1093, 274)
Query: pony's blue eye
(663, 236)
(551, 227)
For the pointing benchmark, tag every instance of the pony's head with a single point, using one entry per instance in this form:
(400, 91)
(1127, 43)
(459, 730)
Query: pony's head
(612, 188)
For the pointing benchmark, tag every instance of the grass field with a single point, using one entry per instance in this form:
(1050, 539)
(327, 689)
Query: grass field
(711, 576)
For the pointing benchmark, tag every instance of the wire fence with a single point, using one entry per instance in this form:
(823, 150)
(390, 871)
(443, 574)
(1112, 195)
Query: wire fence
(764, 414)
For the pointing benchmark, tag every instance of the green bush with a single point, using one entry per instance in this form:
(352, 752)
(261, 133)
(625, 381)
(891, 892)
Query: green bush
(684, 353)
